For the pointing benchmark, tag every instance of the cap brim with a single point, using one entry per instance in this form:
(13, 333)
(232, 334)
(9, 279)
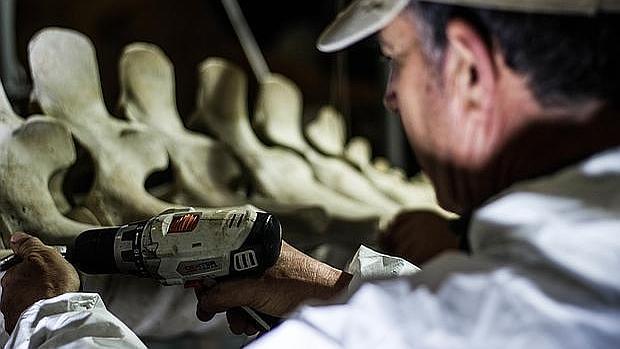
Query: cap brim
(360, 20)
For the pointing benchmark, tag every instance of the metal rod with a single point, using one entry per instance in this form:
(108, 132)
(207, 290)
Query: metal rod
(247, 40)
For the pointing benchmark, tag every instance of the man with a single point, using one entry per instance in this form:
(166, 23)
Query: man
(512, 110)
(511, 107)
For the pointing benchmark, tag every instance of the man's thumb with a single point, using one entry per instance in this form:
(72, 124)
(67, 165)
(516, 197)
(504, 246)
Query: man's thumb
(22, 243)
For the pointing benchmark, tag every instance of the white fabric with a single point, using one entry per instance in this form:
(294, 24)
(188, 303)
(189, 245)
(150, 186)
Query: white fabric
(543, 274)
(368, 265)
(72, 320)
(171, 312)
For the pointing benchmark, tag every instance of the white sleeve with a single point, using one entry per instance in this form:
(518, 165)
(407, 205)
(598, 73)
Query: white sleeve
(324, 327)
(483, 305)
(71, 320)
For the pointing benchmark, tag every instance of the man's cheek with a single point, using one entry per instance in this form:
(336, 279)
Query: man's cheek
(407, 125)
(415, 124)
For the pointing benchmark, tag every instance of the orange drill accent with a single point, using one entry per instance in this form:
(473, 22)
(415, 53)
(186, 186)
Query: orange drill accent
(183, 224)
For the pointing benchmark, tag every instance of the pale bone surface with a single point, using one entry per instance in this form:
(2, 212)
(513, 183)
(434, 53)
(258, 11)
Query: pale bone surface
(327, 132)
(66, 82)
(415, 194)
(278, 119)
(67, 87)
(278, 173)
(32, 152)
(206, 173)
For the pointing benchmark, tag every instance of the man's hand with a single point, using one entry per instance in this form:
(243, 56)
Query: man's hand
(418, 236)
(42, 274)
(294, 278)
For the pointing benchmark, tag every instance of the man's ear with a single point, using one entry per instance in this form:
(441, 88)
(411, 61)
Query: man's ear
(469, 71)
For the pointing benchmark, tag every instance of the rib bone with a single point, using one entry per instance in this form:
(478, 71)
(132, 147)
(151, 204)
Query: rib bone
(67, 87)
(31, 153)
(278, 173)
(204, 170)
(416, 194)
(278, 117)
(327, 132)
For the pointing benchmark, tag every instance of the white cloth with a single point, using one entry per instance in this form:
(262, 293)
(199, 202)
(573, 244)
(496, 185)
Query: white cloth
(367, 264)
(170, 314)
(72, 320)
(544, 273)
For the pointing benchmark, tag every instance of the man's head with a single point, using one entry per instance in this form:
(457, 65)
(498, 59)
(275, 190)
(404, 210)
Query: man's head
(469, 83)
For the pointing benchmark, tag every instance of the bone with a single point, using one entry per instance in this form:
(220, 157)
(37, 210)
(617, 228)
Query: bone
(417, 194)
(278, 173)
(205, 170)
(32, 153)
(67, 87)
(278, 118)
(382, 164)
(327, 132)
(123, 163)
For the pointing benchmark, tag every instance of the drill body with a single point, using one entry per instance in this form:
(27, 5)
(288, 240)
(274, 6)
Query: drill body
(184, 246)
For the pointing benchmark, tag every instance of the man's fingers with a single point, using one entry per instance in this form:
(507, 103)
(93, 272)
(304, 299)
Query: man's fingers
(209, 302)
(240, 322)
(236, 321)
(226, 295)
(212, 303)
(250, 330)
(18, 236)
(23, 244)
(201, 291)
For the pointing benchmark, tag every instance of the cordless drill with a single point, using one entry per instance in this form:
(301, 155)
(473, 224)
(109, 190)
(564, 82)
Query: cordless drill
(185, 246)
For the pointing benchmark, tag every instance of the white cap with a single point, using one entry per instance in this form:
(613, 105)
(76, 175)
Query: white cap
(365, 17)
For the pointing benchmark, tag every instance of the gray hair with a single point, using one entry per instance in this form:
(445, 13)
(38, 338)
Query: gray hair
(568, 59)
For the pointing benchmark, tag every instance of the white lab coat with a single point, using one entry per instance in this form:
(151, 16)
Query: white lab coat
(71, 320)
(543, 274)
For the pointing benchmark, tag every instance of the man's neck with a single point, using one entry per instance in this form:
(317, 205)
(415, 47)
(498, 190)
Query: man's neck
(547, 146)
(542, 148)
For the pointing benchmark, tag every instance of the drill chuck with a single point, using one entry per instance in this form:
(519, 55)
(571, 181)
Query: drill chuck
(93, 251)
